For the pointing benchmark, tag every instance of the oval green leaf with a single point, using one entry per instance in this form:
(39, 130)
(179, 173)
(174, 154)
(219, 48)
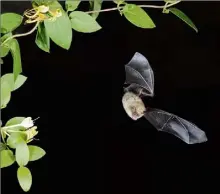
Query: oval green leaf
(35, 153)
(118, 2)
(15, 138)
(10, 21)
(4, 51)
(95, 5)
(16, 55)
(83, 22)
(60, 31)
(42, 2)
(24, 178)
(7, 158)
(5, 94)
(2, 146)
(22, 153)
(72, 5)
(183, 17)
(42, 39)
(14, 85)
(137, 16)
(16, 121)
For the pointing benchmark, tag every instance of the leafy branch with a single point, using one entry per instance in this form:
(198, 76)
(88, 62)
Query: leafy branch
(53, 23)
(142, 6)
(16, 134)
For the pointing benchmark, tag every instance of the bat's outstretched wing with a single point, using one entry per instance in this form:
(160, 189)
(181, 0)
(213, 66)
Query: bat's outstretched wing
(139, 75)
(170, 123)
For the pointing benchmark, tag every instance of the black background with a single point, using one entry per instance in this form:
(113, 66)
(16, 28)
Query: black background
(91, 144)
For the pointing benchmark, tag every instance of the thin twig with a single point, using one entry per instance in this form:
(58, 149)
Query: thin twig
(24, 34)
(144, 6)
(160, 6)
(103, 10)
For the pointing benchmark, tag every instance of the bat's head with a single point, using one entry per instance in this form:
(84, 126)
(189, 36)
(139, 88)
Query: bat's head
(133, 105)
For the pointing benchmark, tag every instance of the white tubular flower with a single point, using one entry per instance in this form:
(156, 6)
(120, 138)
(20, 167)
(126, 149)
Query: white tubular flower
(43, 9)
(27, 123)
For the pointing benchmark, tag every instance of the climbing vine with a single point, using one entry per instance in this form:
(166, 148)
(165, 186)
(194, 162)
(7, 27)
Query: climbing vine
(53, 22)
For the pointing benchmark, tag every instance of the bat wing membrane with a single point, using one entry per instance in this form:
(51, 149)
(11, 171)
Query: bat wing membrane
(139, 75)
(170, 123)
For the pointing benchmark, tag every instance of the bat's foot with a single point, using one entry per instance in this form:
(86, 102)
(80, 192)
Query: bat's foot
(140, 92)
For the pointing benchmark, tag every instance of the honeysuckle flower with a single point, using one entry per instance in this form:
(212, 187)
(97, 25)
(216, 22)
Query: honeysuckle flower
(31, 133)
(41, 13)
(55, 14)
(43, 9)
(27, 123)
(33, 13)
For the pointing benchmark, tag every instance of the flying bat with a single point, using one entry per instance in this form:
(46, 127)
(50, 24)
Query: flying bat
(139, 77)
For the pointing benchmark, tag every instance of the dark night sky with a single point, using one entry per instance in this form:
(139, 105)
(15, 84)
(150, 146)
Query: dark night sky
(91, 144)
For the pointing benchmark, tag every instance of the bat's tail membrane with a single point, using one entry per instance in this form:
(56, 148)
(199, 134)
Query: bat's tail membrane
(170, 123)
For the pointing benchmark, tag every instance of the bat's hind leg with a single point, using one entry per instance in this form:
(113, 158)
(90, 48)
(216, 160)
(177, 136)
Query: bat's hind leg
(140, 91)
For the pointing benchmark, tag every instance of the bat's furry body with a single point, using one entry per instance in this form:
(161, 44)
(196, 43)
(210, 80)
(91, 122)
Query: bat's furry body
(133, 105)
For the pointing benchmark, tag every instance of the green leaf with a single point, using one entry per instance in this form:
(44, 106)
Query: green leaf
(54, 5)
(42, 39)
(2, 146)
(1, 61)
(95, 5)
(10, 21)
(4, 49)
(170, 1)
(137, 16)
(15, 138)
(24, 178)
(3, 38)
(35, 153)
(119, 2)
(22, 153)
(60, 31)
(9, 78)
(42, 2)
(183, 17)
(83, 22)
(14, 121)
(5, 94)
(15, 51)
(72, 5)
(7, 158)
